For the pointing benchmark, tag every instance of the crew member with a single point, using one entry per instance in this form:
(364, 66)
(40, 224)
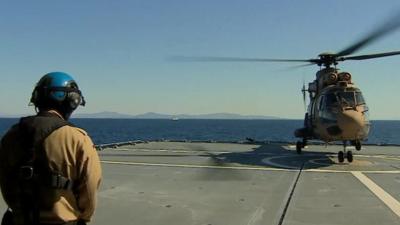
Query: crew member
(49, 169)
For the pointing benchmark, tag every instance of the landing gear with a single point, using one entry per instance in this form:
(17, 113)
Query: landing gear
(300, 145)
(349, 154)
(341, 156)
(357, 144)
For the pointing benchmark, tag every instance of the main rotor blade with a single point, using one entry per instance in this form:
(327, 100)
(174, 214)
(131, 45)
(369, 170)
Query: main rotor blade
(390, 25)
(234, 59)
(302, 65)
(369, 56)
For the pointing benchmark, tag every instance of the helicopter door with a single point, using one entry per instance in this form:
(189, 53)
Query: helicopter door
(317, 105)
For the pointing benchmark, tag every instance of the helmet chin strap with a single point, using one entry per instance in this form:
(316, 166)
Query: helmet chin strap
(67, 115)
(62, 110)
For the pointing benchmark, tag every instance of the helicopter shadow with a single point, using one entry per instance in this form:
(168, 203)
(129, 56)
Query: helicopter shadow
(278, 156)
(233, 166)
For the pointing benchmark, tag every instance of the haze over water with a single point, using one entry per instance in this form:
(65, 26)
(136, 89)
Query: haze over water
(105, 131)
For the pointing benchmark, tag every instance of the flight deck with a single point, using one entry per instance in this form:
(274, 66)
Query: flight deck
(204, 183)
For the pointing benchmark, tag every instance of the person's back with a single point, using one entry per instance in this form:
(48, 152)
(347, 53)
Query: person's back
(49, 169)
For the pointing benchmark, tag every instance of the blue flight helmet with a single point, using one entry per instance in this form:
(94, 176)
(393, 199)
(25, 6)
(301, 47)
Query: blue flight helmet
(57, 91)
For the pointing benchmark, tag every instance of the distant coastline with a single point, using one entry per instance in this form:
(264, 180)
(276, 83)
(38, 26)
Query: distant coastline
(152, 115)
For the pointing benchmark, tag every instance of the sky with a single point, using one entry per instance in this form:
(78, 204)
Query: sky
(117, 52)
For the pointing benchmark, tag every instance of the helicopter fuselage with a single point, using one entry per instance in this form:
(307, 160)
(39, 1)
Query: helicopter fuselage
(337, 109)
(339, 114)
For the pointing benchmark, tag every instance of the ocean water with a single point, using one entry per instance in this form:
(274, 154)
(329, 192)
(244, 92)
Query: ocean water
(104, 131)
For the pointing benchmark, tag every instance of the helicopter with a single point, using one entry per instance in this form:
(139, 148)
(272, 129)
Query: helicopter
(337, 110)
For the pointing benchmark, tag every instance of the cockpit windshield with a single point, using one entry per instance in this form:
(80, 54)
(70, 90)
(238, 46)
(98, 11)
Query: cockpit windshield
(331, 100)
(360, 99)
(346, 99)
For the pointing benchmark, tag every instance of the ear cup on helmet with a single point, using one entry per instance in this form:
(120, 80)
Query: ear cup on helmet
(34, 97)
(74, 99)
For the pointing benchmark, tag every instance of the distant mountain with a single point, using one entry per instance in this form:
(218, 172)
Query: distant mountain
(230, 116)
(152, 115)
(105, 114)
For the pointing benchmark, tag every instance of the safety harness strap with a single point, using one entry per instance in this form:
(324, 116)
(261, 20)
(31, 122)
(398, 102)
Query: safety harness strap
(34, 172)
(59, 182)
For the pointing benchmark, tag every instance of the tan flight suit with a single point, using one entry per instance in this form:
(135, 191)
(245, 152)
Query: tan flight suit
(70, 152)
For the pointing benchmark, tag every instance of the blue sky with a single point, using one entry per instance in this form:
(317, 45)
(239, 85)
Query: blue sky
(116, 51)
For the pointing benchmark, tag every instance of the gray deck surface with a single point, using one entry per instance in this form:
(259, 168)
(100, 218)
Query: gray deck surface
(246, 184)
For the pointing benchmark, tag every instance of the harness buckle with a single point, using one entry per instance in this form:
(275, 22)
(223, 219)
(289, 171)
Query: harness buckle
(60, 182)
(26, 172)
(56, 180)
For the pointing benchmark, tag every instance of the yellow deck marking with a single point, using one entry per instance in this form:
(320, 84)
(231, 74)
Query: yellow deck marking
(391, 202)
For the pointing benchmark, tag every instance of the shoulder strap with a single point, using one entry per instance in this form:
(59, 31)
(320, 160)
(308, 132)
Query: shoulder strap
(35, 129)
(38, 127)
(34, 173)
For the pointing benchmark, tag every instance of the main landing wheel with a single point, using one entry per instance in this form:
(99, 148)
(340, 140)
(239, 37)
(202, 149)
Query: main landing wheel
(349, 156)
(299, 146)
(341, 156)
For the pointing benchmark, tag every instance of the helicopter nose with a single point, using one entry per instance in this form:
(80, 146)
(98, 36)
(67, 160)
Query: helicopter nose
(352, 123)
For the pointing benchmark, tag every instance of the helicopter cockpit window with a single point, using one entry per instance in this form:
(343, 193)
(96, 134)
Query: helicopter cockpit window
(327, 105)
(359, 98)
(331, 100)
(346, 98)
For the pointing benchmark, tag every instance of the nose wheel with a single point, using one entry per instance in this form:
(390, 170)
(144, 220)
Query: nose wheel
(300, 145)
(349, 156)
(342, 154)
(358, 145)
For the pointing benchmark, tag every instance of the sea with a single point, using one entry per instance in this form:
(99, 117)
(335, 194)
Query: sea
(105, 131)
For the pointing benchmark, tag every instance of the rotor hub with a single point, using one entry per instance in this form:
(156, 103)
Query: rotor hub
(327, 59)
